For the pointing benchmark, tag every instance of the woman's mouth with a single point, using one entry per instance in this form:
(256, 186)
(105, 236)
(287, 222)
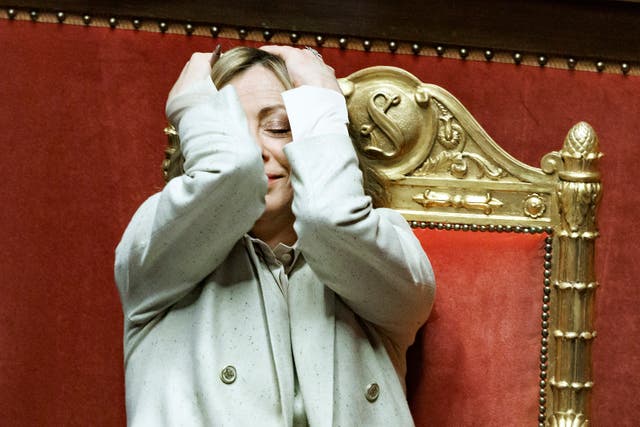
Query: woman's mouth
(272, 177)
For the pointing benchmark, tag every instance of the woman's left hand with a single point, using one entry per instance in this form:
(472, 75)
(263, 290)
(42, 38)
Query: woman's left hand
(306, 67)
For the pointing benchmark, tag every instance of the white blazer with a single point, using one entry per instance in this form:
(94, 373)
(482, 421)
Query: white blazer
(207, 343)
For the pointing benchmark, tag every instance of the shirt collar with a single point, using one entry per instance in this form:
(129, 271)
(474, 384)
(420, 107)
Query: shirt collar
(284, 254)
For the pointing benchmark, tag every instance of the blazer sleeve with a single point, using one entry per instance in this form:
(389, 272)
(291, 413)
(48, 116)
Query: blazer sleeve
(180, 235)
(369, 257)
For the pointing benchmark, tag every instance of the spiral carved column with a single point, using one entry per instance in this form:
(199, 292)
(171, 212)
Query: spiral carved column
(574, 285)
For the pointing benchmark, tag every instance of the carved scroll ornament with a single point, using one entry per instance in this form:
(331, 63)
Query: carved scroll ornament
(405, 129)
(390, 118)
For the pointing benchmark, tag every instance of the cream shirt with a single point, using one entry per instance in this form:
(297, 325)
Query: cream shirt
(278, 263)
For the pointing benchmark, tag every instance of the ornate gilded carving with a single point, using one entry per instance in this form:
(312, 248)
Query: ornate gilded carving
(408, 128)
(570, 335)
(421, 96)
(457, 164)
(576, 285)
(578, 159)
(446, 172)
(578, 201)
(568, 420)
(450, 133)
(578, 191)
(390, 118)
(172, 162)
(534, 206)
(386, 138)
(581, 144)
(485, 203)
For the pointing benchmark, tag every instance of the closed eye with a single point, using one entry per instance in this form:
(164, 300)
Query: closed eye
(274, 122)
(279, 130)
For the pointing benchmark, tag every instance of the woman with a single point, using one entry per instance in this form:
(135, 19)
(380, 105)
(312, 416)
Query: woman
(260, 287)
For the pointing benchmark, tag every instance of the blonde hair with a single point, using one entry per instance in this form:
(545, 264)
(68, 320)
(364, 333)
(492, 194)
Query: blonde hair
(234, 62)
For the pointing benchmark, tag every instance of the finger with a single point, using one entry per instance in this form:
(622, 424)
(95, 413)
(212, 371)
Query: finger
(309, 50)
(272, 48)
(282, 51)
(199, 66)
(292, 55)
(215, 55)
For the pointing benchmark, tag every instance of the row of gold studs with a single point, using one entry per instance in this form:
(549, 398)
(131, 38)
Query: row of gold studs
(367, 45)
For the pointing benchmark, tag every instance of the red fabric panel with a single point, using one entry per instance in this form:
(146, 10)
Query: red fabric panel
(81, 114)
(477, 358)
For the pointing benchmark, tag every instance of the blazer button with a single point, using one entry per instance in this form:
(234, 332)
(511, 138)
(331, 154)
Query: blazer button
(372, 393)
(228, 374)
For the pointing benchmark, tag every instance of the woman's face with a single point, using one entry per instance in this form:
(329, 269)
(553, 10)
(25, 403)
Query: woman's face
(259, 91)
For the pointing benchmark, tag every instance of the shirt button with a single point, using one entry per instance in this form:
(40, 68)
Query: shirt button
(228, 374)
(286, 258)
(372, 393)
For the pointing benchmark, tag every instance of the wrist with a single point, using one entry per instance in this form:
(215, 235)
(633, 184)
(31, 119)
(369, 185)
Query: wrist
(197, 93)
(315, 111)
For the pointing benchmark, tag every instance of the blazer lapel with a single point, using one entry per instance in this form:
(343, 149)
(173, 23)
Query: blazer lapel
(312, 314)
(277, 322)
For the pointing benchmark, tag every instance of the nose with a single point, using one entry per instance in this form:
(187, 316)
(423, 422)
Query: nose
(266, 154)
(266, 148)
(257, 138)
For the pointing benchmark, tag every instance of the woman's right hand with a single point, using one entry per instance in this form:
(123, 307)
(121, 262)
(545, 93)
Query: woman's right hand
(198, 68)
(196, 78)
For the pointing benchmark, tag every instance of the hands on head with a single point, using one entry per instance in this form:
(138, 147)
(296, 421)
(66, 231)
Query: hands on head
(304, 66)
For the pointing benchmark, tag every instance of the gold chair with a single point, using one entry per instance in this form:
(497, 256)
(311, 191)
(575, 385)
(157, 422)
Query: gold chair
(450, 179)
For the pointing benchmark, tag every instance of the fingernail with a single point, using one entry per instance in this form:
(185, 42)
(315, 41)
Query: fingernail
(215, 55)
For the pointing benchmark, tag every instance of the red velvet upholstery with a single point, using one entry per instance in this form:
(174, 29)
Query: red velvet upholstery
(477, 358)
(81, 116)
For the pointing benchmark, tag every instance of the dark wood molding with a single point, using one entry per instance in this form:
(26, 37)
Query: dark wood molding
(593, 29)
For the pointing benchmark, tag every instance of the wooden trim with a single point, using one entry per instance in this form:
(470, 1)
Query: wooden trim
(596, 29)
